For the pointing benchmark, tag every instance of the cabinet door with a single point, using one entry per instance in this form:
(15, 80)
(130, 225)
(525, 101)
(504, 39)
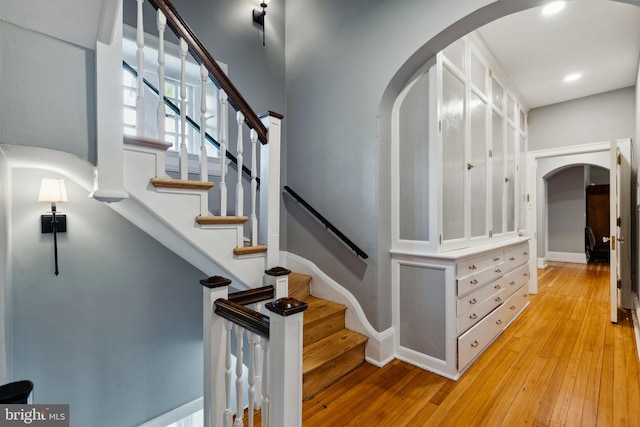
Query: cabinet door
(453, 155)
(510, 178)
(497, 165)
(477, 165)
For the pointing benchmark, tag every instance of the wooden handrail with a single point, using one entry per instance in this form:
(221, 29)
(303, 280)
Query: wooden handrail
(246, 318)
(220, 79)
(253, 296)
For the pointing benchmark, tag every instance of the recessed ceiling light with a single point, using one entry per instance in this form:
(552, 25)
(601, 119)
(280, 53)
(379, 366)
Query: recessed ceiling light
(572, 77)
(553, 7)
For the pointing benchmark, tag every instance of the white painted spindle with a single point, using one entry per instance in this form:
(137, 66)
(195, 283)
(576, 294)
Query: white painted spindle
(228, 413)
(204, 173)
(140, 57)
(223, 152)
(265, 382)
(253, 340)
(239, 396)
(240, 148)
(161, 110)
(184, 152)
(258, 366)
(254, 188)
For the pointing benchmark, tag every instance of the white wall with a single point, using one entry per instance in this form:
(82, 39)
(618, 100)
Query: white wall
(566, 211)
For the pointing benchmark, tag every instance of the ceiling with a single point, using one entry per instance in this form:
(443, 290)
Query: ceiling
(600, 39)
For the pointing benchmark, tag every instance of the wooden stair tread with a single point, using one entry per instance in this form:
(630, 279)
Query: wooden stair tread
(323, 351)
(299, 286)
(219, 220)
(248, 250)
(143, 141)
(320, 309)
(184, 184)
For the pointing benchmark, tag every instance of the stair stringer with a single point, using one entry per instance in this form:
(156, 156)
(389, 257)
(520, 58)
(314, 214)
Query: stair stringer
(380, 348)
(175, 210)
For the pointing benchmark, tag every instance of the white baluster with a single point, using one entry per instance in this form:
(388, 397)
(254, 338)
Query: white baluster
(258, 366)
(228, 413)
(204, 173)
(239, 397)
(265, 382)
(223, 152)
(254, 188)
(253, 339)
(140, 58)
(184, 152)
(161, 110)
(240, 148)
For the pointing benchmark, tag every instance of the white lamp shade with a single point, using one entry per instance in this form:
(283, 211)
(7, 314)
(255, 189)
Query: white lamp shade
(52, 190)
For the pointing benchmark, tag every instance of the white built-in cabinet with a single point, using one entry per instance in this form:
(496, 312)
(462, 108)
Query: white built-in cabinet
(460, 266)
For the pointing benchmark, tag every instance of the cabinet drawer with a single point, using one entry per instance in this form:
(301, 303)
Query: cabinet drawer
(475, 265)
(475, 298)
(517, 256)
(467, 284)
(514, 304)
(516, 279)
(474, 315)
(476, 339)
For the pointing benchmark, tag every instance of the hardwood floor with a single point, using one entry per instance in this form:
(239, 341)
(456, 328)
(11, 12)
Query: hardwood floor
(561, 363)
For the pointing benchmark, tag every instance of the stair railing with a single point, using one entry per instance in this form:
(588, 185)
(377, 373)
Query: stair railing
(264, 225)
(279, 396)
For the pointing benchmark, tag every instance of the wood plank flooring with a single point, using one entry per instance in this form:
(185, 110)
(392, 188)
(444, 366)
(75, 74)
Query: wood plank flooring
(561, 363)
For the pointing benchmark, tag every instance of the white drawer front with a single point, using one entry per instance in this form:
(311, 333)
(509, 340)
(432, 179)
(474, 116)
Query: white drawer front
(475, 265)
(516, 279)
(475, 298)
(517, 256)
(514, 304)
(476, 339)
(473, 316)
(468, 284)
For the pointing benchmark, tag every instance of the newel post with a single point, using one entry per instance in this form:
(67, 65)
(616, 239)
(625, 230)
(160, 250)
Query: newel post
(214, 393)
(269, 222)
(278, 277)
(285, 368)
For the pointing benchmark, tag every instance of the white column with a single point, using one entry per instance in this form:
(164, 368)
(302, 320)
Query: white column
(204, 173)
(184, 152)
(140, 122)
(161, 110)
(224, 122)
(215, 341)
(254, 187)
(109, 175)
(270, 190)
(278, 277)
(285, 370)
(240, 149)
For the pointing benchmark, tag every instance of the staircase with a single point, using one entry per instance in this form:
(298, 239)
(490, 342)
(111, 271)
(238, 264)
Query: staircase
(330, 351)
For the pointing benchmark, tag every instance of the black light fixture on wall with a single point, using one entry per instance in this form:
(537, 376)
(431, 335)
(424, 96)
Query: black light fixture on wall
(53, 190)
(258, 16)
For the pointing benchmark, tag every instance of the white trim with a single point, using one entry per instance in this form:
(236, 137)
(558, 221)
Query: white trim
(380, 346)
(579, 258)
(542, 263)
(175, 415)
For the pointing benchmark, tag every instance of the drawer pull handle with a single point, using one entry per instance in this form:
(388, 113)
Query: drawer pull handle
(474, 282)
(473, 301)
(499, 322)
(497, 286)
(475, 344)
(498, 299)
(512, 283)
(496, 259)
(525, 274)
(525, 295)
(498, 270)
(525, 253)
(513, 307)
(472, 267)
(473, 316)
(512, 259)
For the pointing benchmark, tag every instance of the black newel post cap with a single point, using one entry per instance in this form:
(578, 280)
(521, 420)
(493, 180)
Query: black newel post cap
(277, 271)
(286, 306)
(215, 282)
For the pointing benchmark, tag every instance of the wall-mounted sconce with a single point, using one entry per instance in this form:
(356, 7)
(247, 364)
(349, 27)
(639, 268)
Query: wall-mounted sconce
(258, 16)
(53, 191)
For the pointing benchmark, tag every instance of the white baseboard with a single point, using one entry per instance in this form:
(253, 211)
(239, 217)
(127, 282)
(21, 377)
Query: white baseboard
(579, 258)
(380, 346)
(175, 415)
(542, 263)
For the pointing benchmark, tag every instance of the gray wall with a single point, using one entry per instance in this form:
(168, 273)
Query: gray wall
(120, 327)
(566, 210)
(596, 118)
